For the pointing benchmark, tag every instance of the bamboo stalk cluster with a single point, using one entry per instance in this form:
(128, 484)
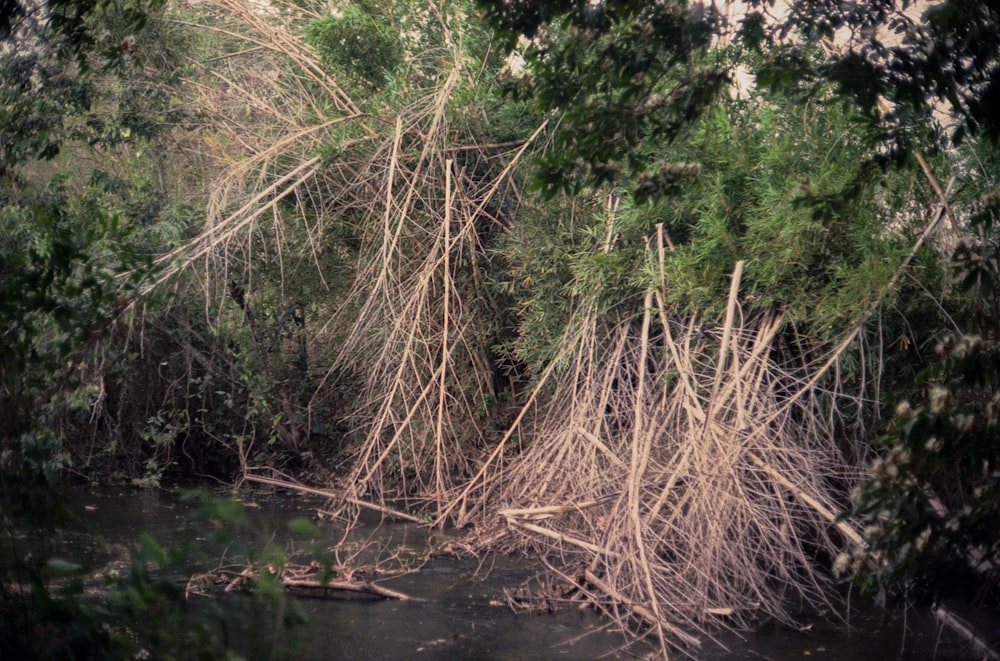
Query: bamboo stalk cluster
(671, 471)
(669, 478)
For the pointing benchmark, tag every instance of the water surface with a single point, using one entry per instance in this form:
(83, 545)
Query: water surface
(459, 609)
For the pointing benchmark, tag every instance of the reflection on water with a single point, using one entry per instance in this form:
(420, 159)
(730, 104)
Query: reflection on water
(460, 612)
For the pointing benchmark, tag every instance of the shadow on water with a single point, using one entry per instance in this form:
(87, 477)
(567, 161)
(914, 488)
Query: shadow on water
(459, 611)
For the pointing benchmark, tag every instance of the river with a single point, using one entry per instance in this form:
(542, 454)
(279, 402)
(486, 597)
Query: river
(458, 610)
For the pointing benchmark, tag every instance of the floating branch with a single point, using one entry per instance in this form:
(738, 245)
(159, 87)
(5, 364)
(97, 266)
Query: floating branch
(295, 578)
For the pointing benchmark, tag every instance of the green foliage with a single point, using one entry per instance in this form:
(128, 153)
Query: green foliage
(618, 73)
(949, 56)
(788, 180)
(58, 291)
(145, 612)
(35, 96)
(934, 500)
(149, 604)
(786, 190)
(60, 288)
(304, 526)
(358, 41)
(538, 257)
(977, 259)
(67, 270)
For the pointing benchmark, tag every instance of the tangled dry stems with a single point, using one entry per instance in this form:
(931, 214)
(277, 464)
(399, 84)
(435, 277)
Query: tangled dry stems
(668, 476)
(679, 477)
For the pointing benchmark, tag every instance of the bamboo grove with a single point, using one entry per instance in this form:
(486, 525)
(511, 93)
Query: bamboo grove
(606, 306)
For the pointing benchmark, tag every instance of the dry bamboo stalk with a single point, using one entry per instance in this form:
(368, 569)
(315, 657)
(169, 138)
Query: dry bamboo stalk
(727, 326)
(849, 532)
(333, 496)
(282, 144)
(440, 104)
(382, 509)
(660, 257)
(279, 40)
(228, 227)
(763, 341)
(367, 587)
(400, 429)
(500, 178)
(397, 380)
(967, 633)
(439, 459)
(560, 537)
(690, 394)
(640, 459)
(528, 512)
(644, 613)
(678, 471)
(942, 195)
(397, 137)
(612, 209)
(501, 444)
(415, 366)
(554, 472)
(609, 375)
(597, 443)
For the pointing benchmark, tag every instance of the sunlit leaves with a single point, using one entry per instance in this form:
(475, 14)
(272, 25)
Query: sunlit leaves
(616, 73)
(365, 46)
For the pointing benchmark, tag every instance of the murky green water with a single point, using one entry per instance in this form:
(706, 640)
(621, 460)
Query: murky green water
(458, 610)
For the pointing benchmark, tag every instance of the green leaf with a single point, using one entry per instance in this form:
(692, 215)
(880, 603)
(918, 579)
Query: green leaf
(150, 550)
(304, 526)
(63, 567)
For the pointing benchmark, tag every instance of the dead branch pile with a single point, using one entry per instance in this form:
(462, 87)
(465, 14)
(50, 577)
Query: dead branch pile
(416, 194)
(671, 476)
(415, 338)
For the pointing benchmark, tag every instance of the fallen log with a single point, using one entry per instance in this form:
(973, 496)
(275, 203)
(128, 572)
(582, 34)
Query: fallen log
(967, 633)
